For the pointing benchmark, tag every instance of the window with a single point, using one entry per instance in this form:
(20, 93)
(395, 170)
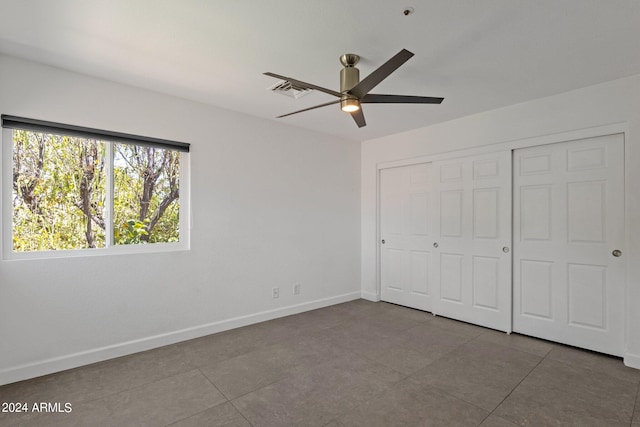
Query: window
(78, 191)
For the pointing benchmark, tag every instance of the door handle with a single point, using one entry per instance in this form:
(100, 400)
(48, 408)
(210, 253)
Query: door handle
(616, 253)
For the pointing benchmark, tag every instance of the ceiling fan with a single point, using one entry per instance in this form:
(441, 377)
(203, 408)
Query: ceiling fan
(354, 92)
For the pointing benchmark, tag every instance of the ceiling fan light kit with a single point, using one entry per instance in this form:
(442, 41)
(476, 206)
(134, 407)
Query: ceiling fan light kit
(349, 104)
(354, 92)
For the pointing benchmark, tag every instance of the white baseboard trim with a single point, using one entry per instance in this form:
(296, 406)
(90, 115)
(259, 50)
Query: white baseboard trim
(370, 296)
(631, 360)
(57, 364)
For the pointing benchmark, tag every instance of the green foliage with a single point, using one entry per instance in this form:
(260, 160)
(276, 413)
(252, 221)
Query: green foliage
(130, 232)
(48, 174)
(145, 205)
(60, 193)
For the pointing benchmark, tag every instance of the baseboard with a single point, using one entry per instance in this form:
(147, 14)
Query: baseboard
(57, 364)
(370, 296)
(631, 360)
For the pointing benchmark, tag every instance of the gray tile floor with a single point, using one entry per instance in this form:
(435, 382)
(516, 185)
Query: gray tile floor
(353, 364)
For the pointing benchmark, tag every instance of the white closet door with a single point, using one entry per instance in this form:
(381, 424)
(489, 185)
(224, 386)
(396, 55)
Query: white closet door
(405, 207)
(568, 220)
(472, 239)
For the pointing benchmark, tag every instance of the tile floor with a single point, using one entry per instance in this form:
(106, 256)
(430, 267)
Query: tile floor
(353, 364)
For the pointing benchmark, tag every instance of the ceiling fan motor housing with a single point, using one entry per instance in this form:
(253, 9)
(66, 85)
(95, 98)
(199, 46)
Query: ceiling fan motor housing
(349, 77)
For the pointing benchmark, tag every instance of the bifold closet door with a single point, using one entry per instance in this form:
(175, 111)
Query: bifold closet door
(569, 267)
(472, 239)
(405, 230)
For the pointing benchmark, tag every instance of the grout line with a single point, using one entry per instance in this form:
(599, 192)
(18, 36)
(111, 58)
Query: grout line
(443, 391)
(144, 385)
(210, 381)
(133, 387)
(193, 415)
(260, 387)
(225, 396)
(385, 389)
(519, 350)
(516, 386)
(240, 412)
(188, 368)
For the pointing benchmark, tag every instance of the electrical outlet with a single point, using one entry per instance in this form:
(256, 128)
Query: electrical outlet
(275, 293)
(296, 288)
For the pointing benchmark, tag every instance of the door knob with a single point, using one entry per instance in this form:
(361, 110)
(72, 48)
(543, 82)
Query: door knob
(505, 249)
(616, 253)
(383, 241)
(435, 244)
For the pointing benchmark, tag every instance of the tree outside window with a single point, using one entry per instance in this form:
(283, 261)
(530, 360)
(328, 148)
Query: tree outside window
(66, 188)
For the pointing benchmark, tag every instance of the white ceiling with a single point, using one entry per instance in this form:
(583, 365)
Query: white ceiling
(477, 54)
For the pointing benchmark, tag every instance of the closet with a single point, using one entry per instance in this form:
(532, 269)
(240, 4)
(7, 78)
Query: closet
(525, 240)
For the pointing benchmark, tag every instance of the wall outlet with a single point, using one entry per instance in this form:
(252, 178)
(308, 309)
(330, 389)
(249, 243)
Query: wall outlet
(296, 288)
(275, 293)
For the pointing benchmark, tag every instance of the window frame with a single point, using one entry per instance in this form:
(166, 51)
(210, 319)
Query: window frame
(6, 193)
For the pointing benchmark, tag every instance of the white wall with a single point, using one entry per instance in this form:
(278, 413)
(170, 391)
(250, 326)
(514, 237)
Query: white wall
(604, 104)
(271, 205)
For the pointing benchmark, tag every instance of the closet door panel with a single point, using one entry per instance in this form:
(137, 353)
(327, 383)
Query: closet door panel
(472, 239)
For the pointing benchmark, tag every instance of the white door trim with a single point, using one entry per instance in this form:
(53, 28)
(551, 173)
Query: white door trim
(512, 145)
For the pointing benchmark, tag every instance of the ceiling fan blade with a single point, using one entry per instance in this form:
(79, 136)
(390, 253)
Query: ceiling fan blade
(373, 79)
(372, 98)
(305, 84)
(310, 108)
(358, 116)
